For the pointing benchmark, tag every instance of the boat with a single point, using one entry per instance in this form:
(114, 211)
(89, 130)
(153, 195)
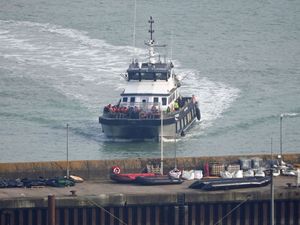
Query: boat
(119, 177)
(129, 177)
(76, 179)
(199, 184)
(158, 180)
(231, 183)
(150, 100)
(60, 182)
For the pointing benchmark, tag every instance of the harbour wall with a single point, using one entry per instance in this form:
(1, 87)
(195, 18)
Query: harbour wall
(99, 169)
(230, 213)
(178, 206)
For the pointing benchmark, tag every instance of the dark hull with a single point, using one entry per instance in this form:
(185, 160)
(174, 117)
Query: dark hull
(158, 180)
(128, 178)
(138, 130)
(234, 183)
(124, 127)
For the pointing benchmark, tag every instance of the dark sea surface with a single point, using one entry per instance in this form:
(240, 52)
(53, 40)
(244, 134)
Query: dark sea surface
(60, 63)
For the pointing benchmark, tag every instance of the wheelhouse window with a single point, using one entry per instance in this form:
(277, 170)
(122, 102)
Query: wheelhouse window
(142, 76)
(133, 75)
(161, 76)
(132, 99)
(148, 76)
(164, 101)
(155, 100)
(145, 75)
(171, 98)
(125, 99)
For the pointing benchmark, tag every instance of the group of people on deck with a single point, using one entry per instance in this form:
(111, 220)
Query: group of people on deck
(134, 112)
(115, 109)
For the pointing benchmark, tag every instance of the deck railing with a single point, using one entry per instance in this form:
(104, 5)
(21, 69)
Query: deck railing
(143, 110)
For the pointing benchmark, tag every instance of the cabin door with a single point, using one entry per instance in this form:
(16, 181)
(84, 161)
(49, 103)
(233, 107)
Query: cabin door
(145, 103)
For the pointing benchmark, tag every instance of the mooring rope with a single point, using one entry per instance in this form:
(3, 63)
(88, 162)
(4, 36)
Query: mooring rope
(231, 211)
(101, 207)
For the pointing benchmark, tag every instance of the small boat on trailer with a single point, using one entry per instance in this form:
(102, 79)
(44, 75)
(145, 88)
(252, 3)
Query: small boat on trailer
(150, 100)
(231, 183)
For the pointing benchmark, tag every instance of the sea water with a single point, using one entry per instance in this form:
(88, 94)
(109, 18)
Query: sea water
(61, 61)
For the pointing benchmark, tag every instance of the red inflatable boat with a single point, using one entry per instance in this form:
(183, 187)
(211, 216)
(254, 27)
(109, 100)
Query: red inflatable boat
(116, 175)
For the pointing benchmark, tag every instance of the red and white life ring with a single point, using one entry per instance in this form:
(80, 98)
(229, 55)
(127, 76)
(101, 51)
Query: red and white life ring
(143, 115)
(116, 170)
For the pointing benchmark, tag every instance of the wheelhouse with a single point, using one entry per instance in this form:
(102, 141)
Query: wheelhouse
(149, 71)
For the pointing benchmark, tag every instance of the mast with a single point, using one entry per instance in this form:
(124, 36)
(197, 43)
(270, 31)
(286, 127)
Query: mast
(151, 31)
(134, 24)
(151, 44)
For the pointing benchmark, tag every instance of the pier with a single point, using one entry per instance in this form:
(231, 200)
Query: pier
(101, 201)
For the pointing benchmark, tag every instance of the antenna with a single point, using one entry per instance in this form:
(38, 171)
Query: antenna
(171, 45)
(151, 44)
(134, 24)
(151, 31)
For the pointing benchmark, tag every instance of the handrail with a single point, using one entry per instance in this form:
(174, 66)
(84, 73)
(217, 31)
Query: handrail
(143, 111)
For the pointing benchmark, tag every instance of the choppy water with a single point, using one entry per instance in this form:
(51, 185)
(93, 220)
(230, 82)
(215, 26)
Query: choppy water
(60, 62)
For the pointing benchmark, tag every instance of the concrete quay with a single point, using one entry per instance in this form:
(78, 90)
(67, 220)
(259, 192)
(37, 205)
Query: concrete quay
(110, 193)
(111, 203)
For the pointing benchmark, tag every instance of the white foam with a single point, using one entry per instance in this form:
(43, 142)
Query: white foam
(83, 68)
(214, 97)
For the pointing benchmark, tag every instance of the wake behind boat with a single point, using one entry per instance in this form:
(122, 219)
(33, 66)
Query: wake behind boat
(150, 102)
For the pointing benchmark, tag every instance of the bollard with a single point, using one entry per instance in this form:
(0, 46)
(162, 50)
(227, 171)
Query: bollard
(51, 209)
